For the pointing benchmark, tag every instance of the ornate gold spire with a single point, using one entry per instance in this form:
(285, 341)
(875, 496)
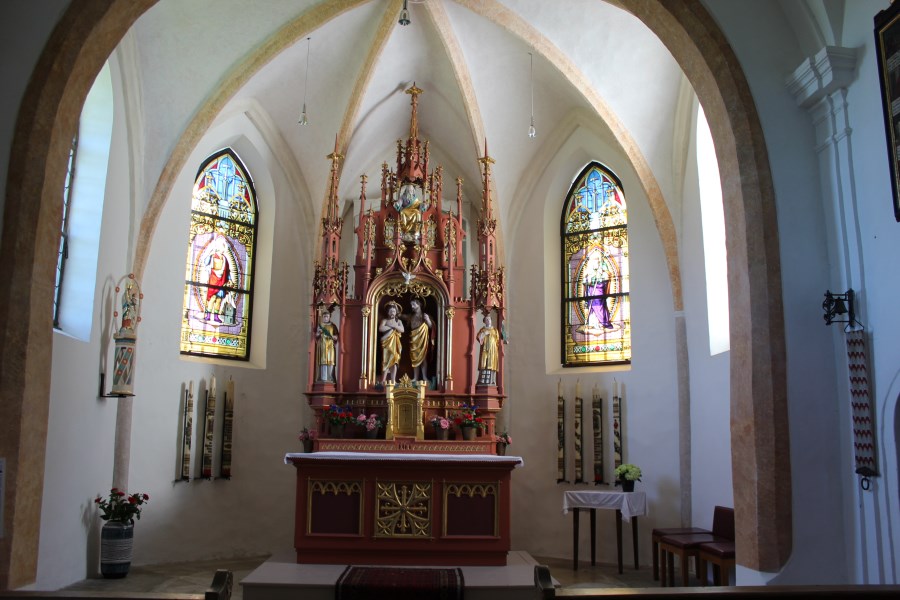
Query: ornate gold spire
(335, 157)
(414, 120)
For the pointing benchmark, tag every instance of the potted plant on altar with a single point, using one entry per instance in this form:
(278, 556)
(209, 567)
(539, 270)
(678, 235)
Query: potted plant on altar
(468, 421)
(442, 427)
(372, 423)
(626, 475)
(338, 417)
(503, 440)
(117, 536)
(307, 436)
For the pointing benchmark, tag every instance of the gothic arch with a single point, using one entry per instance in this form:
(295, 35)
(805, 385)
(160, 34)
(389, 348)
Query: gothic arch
(48, 117)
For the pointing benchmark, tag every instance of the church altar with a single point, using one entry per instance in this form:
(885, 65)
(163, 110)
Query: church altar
(402, 509)
(396, 357)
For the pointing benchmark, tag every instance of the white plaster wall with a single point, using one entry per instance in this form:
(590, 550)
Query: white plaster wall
(877, 521)
(821, 455)
(81, 426)
(26, 27)
(710, 423)
(649, 385)
(182, 520)
(251, 514)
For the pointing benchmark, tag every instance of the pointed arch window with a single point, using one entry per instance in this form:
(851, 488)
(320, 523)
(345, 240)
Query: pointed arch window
(218, 287)
(596, 315)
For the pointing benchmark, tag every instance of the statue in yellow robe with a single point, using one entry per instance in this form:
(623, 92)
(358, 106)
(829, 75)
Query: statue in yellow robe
(420, 329)
(390, 328)
(489, 360)
(410, 208)
(326, 339)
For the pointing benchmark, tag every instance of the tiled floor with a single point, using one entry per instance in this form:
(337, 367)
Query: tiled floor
(195, 577)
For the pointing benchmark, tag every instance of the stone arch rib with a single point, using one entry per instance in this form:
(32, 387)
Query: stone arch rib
(759, 416)
(83, 40)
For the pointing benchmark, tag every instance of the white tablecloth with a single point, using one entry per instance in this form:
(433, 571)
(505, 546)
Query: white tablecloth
(632, 504)
(379, 456)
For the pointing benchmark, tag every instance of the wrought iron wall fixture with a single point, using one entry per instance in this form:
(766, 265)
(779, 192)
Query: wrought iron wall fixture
(839, 305)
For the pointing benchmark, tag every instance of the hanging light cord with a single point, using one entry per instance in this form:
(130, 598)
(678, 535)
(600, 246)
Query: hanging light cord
(303, 118)
(532, 132)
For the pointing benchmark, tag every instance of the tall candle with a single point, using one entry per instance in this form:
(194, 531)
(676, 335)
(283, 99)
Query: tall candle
(230, 390)
(559, 388)
(578, 388)
(615, 389)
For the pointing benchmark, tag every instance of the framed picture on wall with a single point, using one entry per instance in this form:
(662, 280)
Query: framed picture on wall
(887, 44)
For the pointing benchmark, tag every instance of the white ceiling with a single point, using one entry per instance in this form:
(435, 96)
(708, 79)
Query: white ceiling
(470, 56)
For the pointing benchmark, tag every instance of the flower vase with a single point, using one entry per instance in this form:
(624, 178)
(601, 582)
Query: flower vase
(468, 433)
(441, 434)
(501, 449)
(628, 485)
(307, 446)
(371, 434)
(337, 431)
(116, 543)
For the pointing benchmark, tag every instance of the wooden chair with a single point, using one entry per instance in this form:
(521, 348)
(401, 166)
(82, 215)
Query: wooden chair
(666, 531)
(406, 409)
(688, 545)
(721, 556)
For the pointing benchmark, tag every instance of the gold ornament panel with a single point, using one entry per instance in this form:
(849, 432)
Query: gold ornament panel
(403, 509)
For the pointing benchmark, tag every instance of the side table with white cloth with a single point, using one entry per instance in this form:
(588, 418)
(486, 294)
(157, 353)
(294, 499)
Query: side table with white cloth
(628, 506)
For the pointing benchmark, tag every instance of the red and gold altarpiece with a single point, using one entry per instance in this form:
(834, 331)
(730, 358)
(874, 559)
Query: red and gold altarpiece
(408, 319)
(410, 346)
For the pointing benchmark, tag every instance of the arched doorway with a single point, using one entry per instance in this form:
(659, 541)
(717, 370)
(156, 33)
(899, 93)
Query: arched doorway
(84, 39)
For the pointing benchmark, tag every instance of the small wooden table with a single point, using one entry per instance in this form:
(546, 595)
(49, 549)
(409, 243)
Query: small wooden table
(628, 506)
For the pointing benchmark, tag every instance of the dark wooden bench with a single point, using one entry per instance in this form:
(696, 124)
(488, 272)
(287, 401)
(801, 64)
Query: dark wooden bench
(220, 589)
(544, 585)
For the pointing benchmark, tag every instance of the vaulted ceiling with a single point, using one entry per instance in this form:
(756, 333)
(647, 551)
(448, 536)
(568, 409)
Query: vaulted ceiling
(594, 64)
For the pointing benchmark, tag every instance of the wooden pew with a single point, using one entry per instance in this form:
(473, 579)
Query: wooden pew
(219, 589)
(545, 590)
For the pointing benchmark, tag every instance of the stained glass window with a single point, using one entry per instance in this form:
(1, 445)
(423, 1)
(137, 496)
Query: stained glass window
(596, 313)
(219, 272)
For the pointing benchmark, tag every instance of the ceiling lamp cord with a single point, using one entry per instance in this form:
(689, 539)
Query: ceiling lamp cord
(304, 120)
(532, 132)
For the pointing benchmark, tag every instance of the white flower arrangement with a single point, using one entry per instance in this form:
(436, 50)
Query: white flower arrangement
(627, 472)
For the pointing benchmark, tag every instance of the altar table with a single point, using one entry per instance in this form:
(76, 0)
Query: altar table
(402, 509)
(628, 506)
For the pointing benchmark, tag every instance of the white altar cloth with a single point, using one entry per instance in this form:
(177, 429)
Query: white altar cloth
(632, 504)
(386, 456)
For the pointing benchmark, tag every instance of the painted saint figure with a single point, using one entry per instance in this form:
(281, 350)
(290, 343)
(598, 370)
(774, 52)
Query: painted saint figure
(129, 308)
(409, 207)
(219, 272)
(598, 285)
(489, 359)
(420, 328)
(390, 328)
(326, 340)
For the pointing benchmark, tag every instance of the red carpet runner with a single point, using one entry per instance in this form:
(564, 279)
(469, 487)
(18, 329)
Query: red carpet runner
(393, 583)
